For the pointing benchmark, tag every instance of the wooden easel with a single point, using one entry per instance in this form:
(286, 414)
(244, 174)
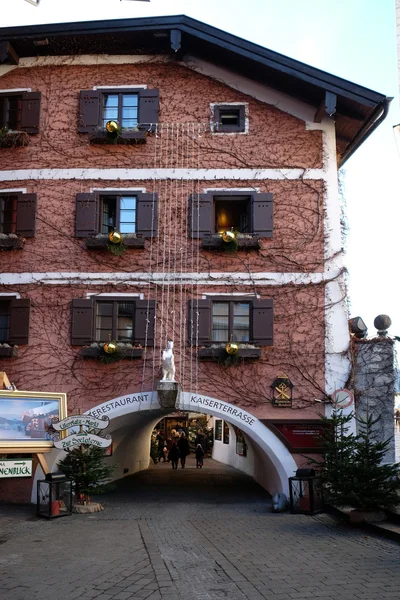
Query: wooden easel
(5, 384)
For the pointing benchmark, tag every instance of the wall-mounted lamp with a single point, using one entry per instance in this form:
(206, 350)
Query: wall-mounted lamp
(358, 328)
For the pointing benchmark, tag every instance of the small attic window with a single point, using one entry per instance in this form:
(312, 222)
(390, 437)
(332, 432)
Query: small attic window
(229, 118)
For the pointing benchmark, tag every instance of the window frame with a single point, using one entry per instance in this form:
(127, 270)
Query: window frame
(231, 301)
(120, 93)
(13, 197)
(6, 97)
(115, 301)
(18, 310)
(229, 199)
(220, 107)
(117, 195)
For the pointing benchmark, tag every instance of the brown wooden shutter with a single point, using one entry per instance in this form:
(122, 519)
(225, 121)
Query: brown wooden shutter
(146, 214)
(262, 214)
(86, 218)
(148, 109)
(30, 114)
(82, 322)
(200, 215)
(145, 311)
(199, 318)
(263, 322)
(89, 111)
(19, 320)
(26, 215)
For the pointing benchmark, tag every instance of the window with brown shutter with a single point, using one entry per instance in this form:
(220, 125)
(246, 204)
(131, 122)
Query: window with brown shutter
(20, 111)
(213, 213)
(17, 216)
(221, 319)
(14, 321)
(136, 111)
(102, 319)
(133, 214)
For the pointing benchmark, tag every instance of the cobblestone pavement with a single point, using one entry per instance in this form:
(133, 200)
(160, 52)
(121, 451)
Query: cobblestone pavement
(191, 535)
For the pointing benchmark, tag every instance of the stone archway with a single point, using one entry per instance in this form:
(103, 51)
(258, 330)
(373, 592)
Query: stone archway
(277, 464)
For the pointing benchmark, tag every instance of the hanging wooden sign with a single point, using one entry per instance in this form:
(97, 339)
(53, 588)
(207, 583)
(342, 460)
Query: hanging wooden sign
(86, 421)
(282, 392)
(82, 439)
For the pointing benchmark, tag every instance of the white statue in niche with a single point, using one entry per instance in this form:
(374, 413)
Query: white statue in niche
(168, 363)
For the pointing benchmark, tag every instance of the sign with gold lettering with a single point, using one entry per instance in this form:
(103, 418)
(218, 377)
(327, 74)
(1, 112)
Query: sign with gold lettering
(282, 392)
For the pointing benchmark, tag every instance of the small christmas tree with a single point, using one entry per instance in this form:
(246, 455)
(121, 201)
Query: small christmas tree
(84, 466)
(353, 472)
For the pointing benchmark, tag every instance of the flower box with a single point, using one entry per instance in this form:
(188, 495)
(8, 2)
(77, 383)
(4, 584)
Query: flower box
(13, 139)
(218, 353)
(11, 242)
(244, 242)
(8, 352)
(125, 138)
(101, 242)
(124, 353)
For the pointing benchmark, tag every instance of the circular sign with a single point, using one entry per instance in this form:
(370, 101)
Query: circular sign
(342, 398)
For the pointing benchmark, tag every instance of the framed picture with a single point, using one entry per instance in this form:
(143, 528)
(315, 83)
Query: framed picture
(26, 420)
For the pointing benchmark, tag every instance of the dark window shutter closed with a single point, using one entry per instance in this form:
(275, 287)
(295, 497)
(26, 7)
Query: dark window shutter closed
(147, 205)
(199, 321)
(89, 111)
(82, 322)
(86, 218)
(263, 322)
(200, 215)
(262, 214)
(19, 320)
(26, 215)
(145, 311)
(148, 109)
(30, 114)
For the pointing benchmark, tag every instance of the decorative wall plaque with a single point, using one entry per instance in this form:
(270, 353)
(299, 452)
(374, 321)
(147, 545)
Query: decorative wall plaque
(282, 392)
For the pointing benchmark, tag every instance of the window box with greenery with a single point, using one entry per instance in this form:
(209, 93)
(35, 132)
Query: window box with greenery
(128, 321)
(132, 214)
(14, 325)
(17, 219)
(218, 320)
(249, 216)
(19, 118)
(135, 110)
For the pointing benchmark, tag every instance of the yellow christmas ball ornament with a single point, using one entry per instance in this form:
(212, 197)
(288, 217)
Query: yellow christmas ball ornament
(228, 236)
(232, 348)
(115, 237)
(110, 347)
(112, 126)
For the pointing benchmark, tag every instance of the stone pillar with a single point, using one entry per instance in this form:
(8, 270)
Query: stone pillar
(374, 379)
(168, 394)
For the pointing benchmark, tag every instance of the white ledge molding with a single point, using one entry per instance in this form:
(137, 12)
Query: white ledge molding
(157, 174)
(213, 279)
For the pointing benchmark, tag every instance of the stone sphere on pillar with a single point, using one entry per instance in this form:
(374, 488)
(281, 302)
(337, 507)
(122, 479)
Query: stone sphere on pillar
(382, 324)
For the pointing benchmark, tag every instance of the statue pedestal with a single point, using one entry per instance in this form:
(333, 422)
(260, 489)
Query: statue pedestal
(168, 393)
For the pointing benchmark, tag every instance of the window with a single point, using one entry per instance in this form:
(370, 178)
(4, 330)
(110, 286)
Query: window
(122, 108)
(213, 212)
(101, 319)
(127, 213)
(114, 321)
(230, 321)
(222, 319)
(14, 320)
(20, 111)
(218, 430)
(226, 433)
(131, 107)
(118, 213)
(18, 213)
(229, 118)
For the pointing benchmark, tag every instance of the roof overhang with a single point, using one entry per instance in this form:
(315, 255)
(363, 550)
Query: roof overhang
(357, 110)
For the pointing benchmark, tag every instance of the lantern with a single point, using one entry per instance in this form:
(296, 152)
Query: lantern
(305, 492)
(54, 496)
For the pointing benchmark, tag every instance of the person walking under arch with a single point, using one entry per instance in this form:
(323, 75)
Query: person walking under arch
(183, 445)
(173, 455)
(199, 452)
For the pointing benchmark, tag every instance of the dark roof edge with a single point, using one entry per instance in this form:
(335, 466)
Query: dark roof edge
(213, 35)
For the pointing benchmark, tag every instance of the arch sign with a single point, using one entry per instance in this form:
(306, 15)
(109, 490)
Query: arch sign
(279, 456)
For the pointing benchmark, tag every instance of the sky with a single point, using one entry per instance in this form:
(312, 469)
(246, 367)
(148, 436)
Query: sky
(354, 39)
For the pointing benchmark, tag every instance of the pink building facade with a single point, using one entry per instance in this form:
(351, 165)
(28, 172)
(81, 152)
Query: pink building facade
(215, 134)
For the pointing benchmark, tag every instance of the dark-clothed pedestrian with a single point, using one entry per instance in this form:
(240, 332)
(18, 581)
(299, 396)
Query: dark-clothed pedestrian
(199, 452)
(173, 455)
(201, 439)
(183, 445)
(160, 444)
